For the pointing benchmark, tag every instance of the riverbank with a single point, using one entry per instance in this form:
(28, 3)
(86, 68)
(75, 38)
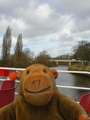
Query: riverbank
(79, 67)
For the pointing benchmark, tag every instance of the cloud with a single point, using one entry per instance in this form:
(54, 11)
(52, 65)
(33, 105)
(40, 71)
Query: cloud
(54, 26)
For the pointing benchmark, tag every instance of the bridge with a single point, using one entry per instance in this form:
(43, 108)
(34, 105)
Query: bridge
(59, 61)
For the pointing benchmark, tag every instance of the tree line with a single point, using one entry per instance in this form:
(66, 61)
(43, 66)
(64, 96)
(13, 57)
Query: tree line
(24, 57)
(21, 58)
(82, 51)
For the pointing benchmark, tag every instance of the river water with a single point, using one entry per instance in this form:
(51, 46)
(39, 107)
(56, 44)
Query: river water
(68, 79)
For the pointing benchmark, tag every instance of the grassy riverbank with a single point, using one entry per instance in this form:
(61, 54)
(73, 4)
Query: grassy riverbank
(79, 67)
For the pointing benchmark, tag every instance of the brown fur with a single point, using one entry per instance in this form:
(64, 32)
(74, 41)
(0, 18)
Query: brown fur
(39, 99)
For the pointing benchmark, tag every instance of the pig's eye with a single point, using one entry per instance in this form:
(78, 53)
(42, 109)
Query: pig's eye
(44, 71)
(28, 72)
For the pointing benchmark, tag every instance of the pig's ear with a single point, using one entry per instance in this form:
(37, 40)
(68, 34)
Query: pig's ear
(55, 73)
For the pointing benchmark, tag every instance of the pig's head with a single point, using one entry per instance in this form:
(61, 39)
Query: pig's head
(37, 84)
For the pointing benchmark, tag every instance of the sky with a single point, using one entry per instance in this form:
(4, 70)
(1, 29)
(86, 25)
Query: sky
(55, 26)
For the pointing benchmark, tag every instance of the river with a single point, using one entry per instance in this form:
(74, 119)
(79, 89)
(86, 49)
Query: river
(68, 79)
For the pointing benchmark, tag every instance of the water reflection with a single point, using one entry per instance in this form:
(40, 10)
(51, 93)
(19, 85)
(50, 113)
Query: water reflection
(72, 80)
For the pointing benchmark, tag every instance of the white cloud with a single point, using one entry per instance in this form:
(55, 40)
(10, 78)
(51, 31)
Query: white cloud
(43, 11)
(55, 26)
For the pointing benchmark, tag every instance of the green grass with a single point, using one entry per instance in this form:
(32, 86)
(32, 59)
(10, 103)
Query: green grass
(79, 67)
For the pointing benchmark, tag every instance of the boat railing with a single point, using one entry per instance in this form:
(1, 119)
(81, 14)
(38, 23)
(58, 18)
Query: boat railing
(61, 86)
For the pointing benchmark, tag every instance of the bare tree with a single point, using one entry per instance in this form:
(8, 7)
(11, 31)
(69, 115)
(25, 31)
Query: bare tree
(28, 53)
(43, 58)
(19, 46)
(6, 45)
